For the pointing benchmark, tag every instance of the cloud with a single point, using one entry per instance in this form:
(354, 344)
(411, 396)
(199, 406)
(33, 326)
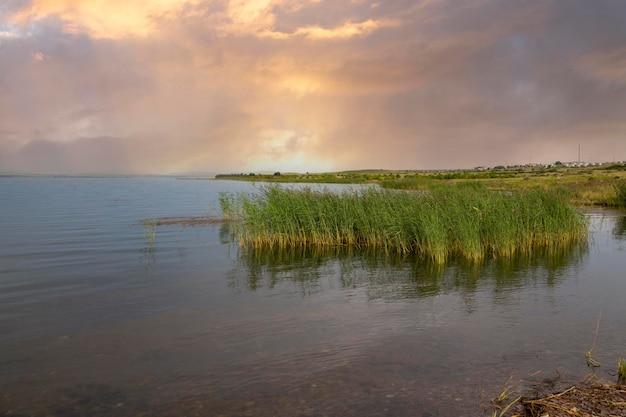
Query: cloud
(93, 156)
(216, 85)
(100, 18)
(606, 66)
(113, 19)
(347, 30)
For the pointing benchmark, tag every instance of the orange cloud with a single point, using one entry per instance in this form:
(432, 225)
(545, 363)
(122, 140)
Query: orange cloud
(102, 18)
(114, 19)
(259, 18)
(345, 31)
(251, 12)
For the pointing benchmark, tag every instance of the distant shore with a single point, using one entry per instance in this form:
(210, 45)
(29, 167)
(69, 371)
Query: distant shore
(588, 184)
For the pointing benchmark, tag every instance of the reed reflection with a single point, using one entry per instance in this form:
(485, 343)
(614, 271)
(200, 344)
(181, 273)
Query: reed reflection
(396, 277)
(619, 230)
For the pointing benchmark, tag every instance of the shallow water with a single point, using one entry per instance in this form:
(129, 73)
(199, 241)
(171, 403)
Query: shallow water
(95, 320)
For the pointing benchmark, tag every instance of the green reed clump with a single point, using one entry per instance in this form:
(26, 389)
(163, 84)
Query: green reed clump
(465, 220)
(620, 194)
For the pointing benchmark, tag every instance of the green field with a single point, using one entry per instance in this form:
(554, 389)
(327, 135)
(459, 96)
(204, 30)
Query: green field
(591, 185)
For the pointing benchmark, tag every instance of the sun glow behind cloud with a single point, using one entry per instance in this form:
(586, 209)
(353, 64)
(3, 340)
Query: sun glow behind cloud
(288, 150)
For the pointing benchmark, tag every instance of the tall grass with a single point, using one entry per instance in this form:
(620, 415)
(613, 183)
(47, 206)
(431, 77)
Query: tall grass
(620, 194)
(466, 220)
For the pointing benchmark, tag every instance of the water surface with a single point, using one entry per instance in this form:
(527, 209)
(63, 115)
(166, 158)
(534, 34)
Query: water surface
(95, 320)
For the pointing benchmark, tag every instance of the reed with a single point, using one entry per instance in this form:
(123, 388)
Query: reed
(620, 194)
(466, 220)
(150, 232)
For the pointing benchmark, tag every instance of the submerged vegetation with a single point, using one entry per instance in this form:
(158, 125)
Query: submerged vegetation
(149, 232)
(466, 221)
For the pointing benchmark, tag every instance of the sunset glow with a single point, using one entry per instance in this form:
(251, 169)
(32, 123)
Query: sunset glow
(129, 86)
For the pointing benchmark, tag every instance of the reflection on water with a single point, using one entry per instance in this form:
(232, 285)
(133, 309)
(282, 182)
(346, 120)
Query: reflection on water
(395, 276)
(620, 227)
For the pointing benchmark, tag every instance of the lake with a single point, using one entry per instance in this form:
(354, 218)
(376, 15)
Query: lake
(99, 318)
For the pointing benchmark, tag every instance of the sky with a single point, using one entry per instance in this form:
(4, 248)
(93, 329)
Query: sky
(175, 86)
